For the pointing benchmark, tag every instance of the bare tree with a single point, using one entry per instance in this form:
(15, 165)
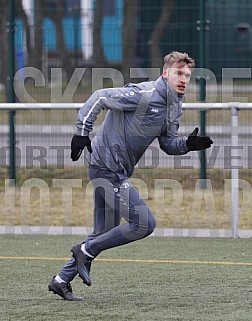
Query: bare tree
(129, 37)
(57, 16)
(35, 52)
(158, 32)
(3, 42)
(31, 53)
(99, 57)
(19, 12)
(5, 29)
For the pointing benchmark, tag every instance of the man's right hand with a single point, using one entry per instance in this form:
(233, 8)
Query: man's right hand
(78, 144)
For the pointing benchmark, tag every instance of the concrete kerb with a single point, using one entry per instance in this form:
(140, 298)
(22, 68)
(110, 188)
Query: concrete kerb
(83, 230)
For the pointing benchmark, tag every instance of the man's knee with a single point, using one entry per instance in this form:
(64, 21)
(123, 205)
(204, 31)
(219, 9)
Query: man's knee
(145, 225)
(151, 225)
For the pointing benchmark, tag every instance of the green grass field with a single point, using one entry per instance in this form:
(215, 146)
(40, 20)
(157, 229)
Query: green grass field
(152, 279)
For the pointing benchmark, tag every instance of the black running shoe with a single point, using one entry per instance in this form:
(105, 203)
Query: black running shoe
(64, 290)
(83, 263)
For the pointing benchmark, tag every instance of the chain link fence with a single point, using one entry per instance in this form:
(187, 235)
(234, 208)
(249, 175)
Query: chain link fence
(64, 52)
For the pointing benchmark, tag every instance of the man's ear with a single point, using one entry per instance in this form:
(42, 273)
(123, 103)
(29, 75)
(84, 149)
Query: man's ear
(165, 74)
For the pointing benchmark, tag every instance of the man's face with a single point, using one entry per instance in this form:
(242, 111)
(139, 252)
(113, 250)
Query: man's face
(178, 77)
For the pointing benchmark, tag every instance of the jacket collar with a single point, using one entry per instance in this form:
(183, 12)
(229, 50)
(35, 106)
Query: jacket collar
(164, 90)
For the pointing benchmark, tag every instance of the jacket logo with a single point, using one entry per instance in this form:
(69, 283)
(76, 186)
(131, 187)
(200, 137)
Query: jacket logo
(155, 110)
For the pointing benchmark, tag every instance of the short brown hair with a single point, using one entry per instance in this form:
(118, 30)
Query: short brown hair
(179, 58)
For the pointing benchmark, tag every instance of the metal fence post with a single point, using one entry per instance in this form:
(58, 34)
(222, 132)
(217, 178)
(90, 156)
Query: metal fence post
(11, 93)
(234, 169)
(202, 28)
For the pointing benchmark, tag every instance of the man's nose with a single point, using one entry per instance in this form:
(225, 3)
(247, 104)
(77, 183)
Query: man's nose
(183, 79)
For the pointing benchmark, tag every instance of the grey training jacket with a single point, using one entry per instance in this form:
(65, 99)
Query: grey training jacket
(137, 114)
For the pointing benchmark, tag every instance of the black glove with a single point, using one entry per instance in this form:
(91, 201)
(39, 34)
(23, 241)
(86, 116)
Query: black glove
(195, 142)
(77, 145)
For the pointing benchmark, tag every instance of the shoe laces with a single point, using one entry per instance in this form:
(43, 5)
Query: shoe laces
(69, 287)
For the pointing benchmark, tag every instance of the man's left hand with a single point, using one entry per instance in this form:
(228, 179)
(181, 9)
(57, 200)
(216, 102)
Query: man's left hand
(195, 142)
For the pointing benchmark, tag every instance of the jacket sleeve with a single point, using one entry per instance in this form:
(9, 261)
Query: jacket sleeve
(121, 99)
(173, 145)
(169, 141)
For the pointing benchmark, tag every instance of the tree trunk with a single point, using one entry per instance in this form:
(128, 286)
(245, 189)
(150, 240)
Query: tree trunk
(36, 53)
(57, 17)
(158, 32)
(61, 45)
(3, 44)
(99, 57)
(21, 14)
(129, 37)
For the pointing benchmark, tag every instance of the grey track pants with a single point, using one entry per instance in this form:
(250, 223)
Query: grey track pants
(114, 198)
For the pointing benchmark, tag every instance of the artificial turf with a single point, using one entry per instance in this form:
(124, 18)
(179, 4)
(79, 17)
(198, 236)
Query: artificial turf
(158, 278)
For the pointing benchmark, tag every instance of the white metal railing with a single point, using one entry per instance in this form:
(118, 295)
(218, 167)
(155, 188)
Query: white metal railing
(233, 107)
(198, 106)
